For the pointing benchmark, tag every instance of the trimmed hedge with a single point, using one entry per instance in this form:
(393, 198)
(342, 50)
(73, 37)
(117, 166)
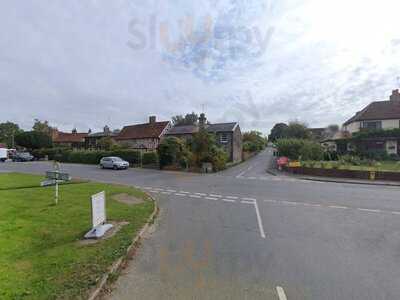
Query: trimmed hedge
(86, 157)
(150, 158)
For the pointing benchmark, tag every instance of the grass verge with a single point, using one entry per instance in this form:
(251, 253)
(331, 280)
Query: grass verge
(40, 256)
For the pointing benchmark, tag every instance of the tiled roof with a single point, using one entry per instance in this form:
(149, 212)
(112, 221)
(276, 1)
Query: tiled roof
(186, 129)
(222, 127)
(141, 131)
(191, 129)
(63, 137)
(380, 110)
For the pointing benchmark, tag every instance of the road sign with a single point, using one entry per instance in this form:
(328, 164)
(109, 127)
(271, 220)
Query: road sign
(56, 175)
(98, 209)
(98, 217)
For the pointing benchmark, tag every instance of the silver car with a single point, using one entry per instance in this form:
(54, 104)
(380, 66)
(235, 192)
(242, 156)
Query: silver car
(112, 162)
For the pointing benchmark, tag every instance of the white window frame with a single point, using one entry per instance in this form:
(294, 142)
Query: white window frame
(224, 138)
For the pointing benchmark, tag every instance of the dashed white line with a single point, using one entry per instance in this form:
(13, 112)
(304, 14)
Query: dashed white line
(200, 194)
(171, 191)
(194, 196)
(249, 199)
(395, 212)
(183, 192)
(271, 201)
(211, 198)
(179, 194)
(247, 202)
(166, 193)
(229, 200)
(338, 207)
(217, 196)
(281, 293)
(260, 224)
(232, 197)
(289, 203)
(369, 210)
(156, 192)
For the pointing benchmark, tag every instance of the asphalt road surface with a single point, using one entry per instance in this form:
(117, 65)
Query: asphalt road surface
(245, 234)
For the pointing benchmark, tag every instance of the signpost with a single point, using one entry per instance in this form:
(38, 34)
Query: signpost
(54, 178)
(99, 226)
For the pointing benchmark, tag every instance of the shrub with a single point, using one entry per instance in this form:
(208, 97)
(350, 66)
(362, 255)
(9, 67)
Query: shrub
(172, 151)
(150, 158)
(296, 148)
(311, 151)
(219, 158)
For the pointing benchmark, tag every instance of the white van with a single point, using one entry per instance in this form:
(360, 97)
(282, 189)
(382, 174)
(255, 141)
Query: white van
(3, 154)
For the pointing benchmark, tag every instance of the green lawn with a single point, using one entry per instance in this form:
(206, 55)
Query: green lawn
(387, 166)
(40, 257)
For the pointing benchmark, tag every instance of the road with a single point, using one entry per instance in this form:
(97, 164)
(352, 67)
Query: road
(245, 234)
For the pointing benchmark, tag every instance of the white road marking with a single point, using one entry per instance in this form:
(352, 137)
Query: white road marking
(369, 210)
(395, 212)
(260, 224)
(281, 293)
(232, 197)
(271, 201)
(211, 198)
(166, 193)
(171, 191)
(338, 207)
(183, 192)
(156, 192)
(200, 194)
(289, 203)
(218, 196)
(247, 202)
(179, 194)
(229, 200)
(249, 199)
(244, 172)
(194, 196)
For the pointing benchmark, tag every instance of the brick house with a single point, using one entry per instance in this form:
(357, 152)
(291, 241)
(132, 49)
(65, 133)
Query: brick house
(145, 137)
(379, 115)
(72, 140)
(228, 136)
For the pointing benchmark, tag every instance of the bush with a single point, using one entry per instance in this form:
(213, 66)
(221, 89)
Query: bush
(298, 148)
(289, 147)
(219, 158)
(172, 151)
(311, 151)
(149, 158)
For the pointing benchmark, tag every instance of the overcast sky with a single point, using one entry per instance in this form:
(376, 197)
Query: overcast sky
(88, 63)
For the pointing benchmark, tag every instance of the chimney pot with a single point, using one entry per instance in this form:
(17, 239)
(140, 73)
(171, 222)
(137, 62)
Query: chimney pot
(395, 95)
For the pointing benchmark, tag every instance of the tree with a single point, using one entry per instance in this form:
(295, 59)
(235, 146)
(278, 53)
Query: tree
(8, 131)
(205, 149)
(173, 151)
(278, 132)
(253, 141)
(106, 143)
(33, 140)
(40, 126)
(188, 119)
(297, 130)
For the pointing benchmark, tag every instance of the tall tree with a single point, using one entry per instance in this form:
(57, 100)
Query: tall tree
(297, 130)
(254, 141)
(278, 132)
(8, 131)
(188, 119)
(42, 126)
(33, 140)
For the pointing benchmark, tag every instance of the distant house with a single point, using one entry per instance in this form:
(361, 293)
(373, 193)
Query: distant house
(318, 134)
(92, 139)
(145, 136)
(376, 116)
(228, 135)
(72, 140)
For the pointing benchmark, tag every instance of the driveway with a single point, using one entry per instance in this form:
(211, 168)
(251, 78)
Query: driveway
(245, 234)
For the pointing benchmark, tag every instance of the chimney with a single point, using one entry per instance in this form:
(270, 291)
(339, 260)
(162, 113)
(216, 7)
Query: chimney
(74, 131)
(152, 119)
(395, 95)
(202, 120)
(106, 129)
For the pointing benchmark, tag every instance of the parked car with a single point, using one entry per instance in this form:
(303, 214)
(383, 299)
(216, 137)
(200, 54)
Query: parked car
(3, 154)
(22, 156)
(115, 163)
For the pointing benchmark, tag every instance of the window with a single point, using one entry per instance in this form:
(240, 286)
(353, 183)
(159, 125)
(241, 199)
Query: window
(224, 138)
(372, 125)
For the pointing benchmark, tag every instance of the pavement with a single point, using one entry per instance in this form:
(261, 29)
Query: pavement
(246, 234)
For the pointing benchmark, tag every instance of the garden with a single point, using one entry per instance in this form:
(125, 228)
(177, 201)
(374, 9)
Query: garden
(41, 251)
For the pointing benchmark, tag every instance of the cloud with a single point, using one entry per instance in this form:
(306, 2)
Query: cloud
(91, 63)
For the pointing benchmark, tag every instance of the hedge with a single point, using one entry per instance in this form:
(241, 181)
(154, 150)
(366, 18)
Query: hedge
(150, 158)
(86, 157)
